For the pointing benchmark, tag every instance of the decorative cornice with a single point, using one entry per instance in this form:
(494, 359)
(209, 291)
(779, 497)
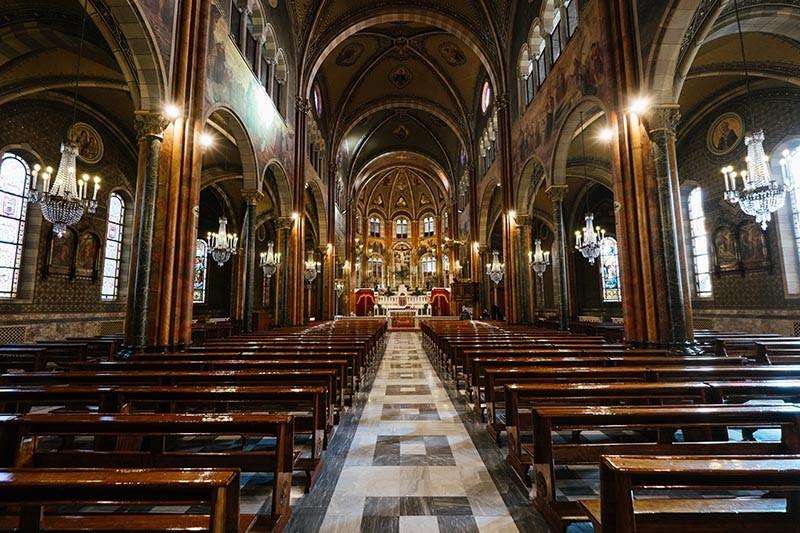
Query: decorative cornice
(283, 223)
(664, 120)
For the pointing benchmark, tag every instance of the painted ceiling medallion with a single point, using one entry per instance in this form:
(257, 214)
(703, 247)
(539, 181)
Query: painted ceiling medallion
(400, 76)
(452, 54)
(401, 132)
(379, 200)
(350, 54)
(401, 202)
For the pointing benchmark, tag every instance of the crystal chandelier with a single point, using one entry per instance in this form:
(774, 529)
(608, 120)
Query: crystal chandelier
(64, 202)
(760, 195)
(312, 268)
(270, 260)
(496, 269)
(222, 245)
(539, 259)
(587, 240)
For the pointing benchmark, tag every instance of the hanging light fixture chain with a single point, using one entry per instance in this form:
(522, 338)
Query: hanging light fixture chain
(79, 62)
(744, 65)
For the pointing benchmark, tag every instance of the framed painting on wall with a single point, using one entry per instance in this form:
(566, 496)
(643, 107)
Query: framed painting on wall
(87, 256)
(725, 134)
(60, 254)
(753, 248)
(726, 256)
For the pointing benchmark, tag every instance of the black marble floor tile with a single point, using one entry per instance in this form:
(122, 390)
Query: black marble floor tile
(395, 411)
(461, 524)
(380, 524)
(417, 506)
(407, 375)
(388, 451)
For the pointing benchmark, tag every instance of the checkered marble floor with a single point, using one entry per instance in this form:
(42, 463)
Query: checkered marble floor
(412, 465)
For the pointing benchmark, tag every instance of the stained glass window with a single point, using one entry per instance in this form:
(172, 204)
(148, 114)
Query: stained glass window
(14, 176)
(486, 96)
(555, 35)
(401, 227)
(794, 197)
(571, 7)
(609, 270)
(113, 254)
(428, 265)
(374, 227)
(700, 257)
(200, 271)
(428, 227)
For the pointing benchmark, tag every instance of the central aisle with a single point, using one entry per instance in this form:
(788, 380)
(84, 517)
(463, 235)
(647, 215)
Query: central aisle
(412, 466)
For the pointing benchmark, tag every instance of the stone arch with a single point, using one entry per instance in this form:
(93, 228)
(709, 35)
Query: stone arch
(566, 133)
(134, 47)
(276, 183)
(236, 128)
(484, 227)
(672, 44)
(407, 14)
(281, 68)
(270, 42)
(530, 180)
(548, 14)
(314, 187)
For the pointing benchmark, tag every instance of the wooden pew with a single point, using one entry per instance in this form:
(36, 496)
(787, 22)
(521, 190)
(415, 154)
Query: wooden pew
(56, 352)
(148, 441)
(705, 432)
(35, 491)
(27, 358)
(622, 476)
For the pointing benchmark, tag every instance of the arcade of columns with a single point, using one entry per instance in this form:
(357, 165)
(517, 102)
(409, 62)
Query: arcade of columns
(656, 307)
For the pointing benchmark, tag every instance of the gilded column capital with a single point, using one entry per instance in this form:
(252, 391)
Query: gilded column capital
(663, 120)
(149, 125)
(284, 223)
(556, 193)
(252, 197)
(502, 101)
(524, 221)
(302, 105)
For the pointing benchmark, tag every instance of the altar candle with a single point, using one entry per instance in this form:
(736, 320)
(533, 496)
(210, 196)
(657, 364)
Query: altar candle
(96, 187)
(36, 168)
(727, 181)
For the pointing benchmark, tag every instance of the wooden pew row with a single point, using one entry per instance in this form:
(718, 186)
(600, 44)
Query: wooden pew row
(33, 492)
(621, 477)
(648, 430)
(297, 400)
(497, 378)
(150, 441)
(520, 398)
(56, 353)
(23, 358)
(780, 353)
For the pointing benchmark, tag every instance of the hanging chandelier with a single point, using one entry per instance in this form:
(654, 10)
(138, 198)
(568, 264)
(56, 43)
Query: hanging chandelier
(539, 259)
(270, 260)
(587, 240)
(312, 268)
(496, 269)
(64, 201)
(760, 195)
(222, 245)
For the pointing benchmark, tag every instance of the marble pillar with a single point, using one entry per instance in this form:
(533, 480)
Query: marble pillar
(524, 268)
(557, 193)
(283, 226)
(150, 133)
(251, 198)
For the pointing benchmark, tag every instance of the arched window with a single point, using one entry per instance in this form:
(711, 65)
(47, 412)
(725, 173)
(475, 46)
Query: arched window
(375, 267)
(793, 178)
(700, 257)
(316, 100)
(446, 221)
(14, 182)
(486, 96)
(555, 35)
(446, 263)
(401, 228)
(250, 48)
(113, 254)
(537, 47)
(279, 87)
(609, 270)
(265, 73)
(374, 227)
(237, 16)
(571, 8)
(428, 265)
(428, 228)
(200, 271)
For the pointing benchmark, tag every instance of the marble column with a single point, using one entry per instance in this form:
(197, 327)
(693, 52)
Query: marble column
(524, 268)
(662, 123)
(510, 250)
(251, 198)
(150, 133)
(297, 293)
(283, 225)
(557, 193)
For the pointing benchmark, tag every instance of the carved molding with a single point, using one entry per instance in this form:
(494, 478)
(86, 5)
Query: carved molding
(556, 193)
(150, 125)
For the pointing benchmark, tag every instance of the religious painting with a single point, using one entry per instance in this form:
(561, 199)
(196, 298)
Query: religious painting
(725, 253)
(87, 255)
(753, 249)
(349, 55)
(61, 254)
(725, 134)
(90, 145)
(452, 54)
(400, 76)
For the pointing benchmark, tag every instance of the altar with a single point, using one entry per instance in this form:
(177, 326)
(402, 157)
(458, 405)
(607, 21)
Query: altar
(402, 319)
